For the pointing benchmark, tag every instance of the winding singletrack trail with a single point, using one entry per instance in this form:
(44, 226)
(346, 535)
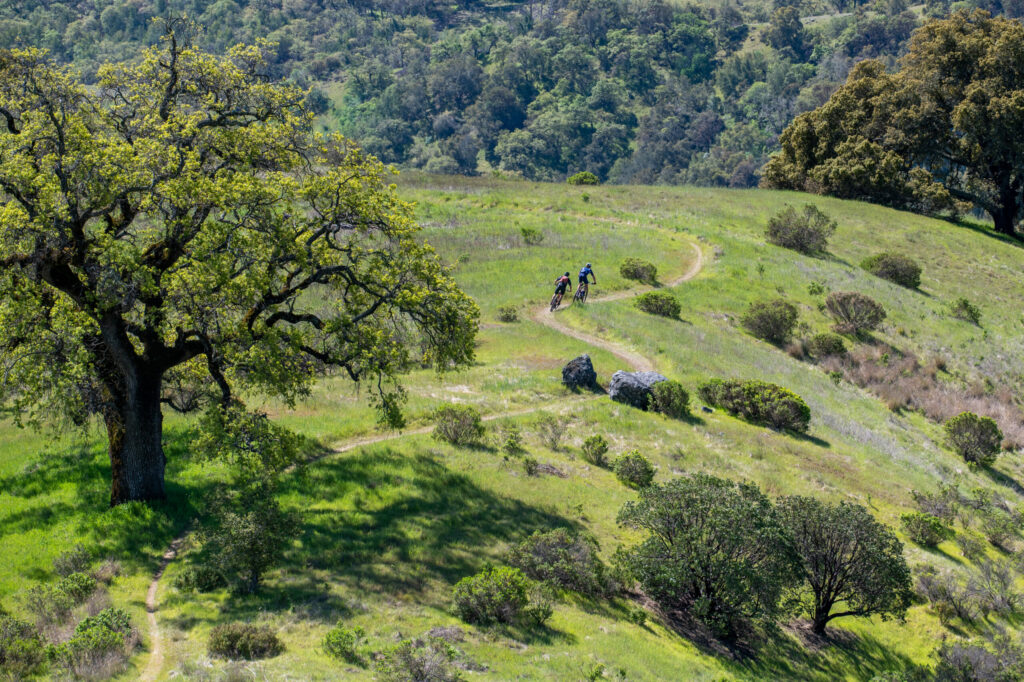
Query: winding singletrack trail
(636, 361)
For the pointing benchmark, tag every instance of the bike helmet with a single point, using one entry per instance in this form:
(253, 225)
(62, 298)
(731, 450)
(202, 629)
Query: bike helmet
(566, 273)
(588, 265)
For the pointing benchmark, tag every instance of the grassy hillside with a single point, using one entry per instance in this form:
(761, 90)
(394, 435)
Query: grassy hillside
(388, 527)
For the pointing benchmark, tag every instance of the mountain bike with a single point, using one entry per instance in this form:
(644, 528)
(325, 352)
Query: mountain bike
(556, 300)
(581, 292)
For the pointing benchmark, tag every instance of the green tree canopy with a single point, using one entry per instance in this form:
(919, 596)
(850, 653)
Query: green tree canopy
(178, 233)
(943, 129)
(847, 558)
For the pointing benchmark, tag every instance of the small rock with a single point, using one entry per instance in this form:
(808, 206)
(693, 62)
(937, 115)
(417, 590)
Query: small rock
(633, 388)
(579, 373)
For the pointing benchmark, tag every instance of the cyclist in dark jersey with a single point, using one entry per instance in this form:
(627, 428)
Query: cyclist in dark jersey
(561, 284)
(585, 274)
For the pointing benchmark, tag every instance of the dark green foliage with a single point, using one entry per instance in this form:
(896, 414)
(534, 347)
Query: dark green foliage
(508, 313)
(963, 309)
(854, 312)
(659, 303)
(563, 560)
(458, 425)
(595, 450)
(248, 534)
(513, 440)
(759, 402)
(634, 470)
(807, 232)
(583, 178)
(895, 267)
(924, 529)
(670, 399)
(637, 616)
(99, 647)
(848, 558)
(976, 439)
(429, 660)
(74, 560)
(500, 595)
(639, 270)
(531, 466)
(772, 320)
(53, 603)
(21, 648)
(1000, 659)
(199, 578)
(343, 643)
(531, 236)
(713, 548)
(243, 641)
(826, 344)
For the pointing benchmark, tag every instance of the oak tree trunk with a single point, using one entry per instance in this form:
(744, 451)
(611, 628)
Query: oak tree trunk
(134, 429)
(1005, 216)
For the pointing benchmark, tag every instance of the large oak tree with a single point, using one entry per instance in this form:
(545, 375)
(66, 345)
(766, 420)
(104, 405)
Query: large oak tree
(944, 129)
(178, 233)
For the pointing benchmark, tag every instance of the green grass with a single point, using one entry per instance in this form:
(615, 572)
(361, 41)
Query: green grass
(387, 529)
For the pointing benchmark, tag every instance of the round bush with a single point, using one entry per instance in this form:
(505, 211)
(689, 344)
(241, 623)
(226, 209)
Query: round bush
(659, 303)
(976, 439)
(758, 401)
(563, 560)
(924, 529)
(499, 595)
(508, 313)
(583, 178)
(825, 344)
(458, 425)
(854, 312)
(669, 398)
(343, 643)
(21, 648)
(806, 232)
(963, 309)
(895, 267)
(639, 270)
(772, 321)
(199, 578)
(243, 641)
(595, 449)
(634, 470)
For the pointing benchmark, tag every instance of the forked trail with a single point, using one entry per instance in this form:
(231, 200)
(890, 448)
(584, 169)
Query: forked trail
(636, 361)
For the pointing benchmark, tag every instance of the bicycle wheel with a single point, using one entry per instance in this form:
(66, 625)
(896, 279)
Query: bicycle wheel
(554, 302)
(583, 294)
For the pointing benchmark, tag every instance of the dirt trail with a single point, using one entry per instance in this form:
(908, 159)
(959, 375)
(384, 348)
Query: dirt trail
(542, 315)
(635, 360)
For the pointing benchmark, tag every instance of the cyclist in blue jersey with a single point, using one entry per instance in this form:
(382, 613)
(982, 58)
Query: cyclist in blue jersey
(584, 288)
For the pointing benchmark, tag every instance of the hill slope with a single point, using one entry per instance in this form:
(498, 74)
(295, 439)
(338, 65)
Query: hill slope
(389, 526)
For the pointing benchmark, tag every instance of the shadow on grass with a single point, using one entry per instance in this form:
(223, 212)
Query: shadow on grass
(1003, 479)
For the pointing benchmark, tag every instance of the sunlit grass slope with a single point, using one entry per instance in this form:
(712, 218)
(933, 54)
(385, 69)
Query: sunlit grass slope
(388, 528)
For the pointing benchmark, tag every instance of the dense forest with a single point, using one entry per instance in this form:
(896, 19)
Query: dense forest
(645, 91)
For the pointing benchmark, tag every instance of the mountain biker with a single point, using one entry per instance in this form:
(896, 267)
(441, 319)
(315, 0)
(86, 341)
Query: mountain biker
(585, 273)
(561, 284)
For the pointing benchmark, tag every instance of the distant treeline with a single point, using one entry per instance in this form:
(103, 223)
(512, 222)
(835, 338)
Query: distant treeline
(641, 91)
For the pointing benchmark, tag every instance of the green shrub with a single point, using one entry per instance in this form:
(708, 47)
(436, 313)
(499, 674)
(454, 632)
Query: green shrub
(500, 595)
(659, 303)
(458, 425)
(976, 439)
(634, 470)
(963, 309)
(430, 660)
(52, 604)
(826, 344)
(199, 578)
(508, 313)
(22, 651)
(243, 641)
(583, 178)
(806, 232)
(816, 288)
(74, 560)
(564, 560)
(895, 267)
(513, 440)
(550, 429)
(670, 399)
(772, 321)
(759, 402)
(595, 449)
(854, 312)
(531, 466)
(637, 616)
(639, 270)
(100, 646)
(78, 586)
(343, 643)
(924, 529)
(531, 236)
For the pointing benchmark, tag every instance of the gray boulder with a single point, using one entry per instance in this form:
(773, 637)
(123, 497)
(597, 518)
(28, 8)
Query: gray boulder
(579, 373)
(633, 388)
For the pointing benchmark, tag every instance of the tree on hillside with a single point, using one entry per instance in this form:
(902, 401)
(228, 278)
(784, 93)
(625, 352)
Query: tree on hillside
(178, 234)
(848, 558)
(945, 128)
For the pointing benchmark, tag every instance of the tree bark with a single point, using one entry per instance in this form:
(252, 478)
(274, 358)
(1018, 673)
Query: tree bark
(1005, 217)
(134, 429)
